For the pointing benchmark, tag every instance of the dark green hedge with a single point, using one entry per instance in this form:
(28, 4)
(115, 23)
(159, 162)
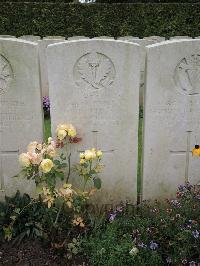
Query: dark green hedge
(99, 19)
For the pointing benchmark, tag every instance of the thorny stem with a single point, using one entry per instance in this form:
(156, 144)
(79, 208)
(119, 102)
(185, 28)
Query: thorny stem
(30, 203)
(86, 179)
(69, 167)
(58, 214)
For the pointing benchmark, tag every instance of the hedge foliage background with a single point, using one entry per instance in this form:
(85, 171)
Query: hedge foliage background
(58, 18)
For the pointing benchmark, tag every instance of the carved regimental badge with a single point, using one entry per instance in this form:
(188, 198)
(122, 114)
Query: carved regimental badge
(6, 74)
(187, 75)
(94, 70)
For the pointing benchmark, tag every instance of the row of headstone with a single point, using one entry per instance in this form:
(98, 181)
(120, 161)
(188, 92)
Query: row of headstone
(94, 84)
(124, 38)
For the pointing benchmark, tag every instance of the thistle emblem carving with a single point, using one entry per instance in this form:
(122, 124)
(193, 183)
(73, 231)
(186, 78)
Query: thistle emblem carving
(94, 69)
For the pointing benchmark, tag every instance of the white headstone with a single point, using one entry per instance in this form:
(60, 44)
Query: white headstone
(180, 37)
(74, 38)
(96, 88)
(20, 110)
(43, 63)
(155, 38)
(172, 111)
(54, 38)
(125, 38)
(7, 36)
(103, 37)
(30, 38)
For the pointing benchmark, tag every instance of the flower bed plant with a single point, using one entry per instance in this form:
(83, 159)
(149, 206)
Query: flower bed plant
(150, 234)
(60, 205)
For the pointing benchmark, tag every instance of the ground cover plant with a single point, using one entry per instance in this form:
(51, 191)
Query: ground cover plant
(150, 234)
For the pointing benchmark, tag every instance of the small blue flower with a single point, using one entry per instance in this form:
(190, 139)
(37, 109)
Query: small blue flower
(195, 234)
(153, 245)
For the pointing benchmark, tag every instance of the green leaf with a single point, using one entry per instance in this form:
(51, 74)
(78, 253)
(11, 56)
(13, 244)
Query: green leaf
(97, 182)
(39, 188)
(56, 162)
(17, 210)
(13, 217)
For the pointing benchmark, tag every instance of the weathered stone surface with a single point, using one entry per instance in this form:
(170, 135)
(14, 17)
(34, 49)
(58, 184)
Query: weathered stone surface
(54, 38)
(96, 88)
(103, 37)
(74, 38)
(43, 63)
(20, 109)
(180, 37)
(155, 38)
(143, 43)
(30, 38)
(125, 38)
(7, 36)
(172, 111)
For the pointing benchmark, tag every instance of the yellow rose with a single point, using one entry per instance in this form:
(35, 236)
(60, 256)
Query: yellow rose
(46, 165)
(88, 154)
(93, 151)
(82, 155)
(82, 161)
(61, 134)
(71, 131)
(24, 160)
(63, 127)
(99, 154)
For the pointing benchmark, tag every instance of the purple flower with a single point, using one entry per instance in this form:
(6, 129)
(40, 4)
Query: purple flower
(195, 234)
(142, 245)
(119, 209)
(176, 203)
(153, 245)
(46, 103)
(181, 188)
(189, 186)
(112, 216)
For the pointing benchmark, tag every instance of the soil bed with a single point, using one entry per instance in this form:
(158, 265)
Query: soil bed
(32, 252)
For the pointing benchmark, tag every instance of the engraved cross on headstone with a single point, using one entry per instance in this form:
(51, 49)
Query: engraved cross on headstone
(2, 154)
(95, 144)
(187, 155)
